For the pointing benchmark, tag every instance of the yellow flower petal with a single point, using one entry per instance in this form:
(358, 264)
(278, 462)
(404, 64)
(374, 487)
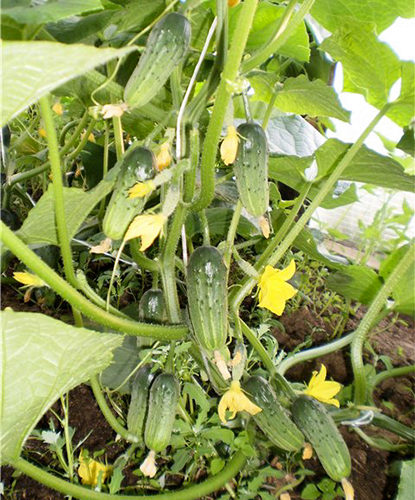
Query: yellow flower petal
(57, 108)
(322, 389)
(287, 273)
(141, 189)
(264, 225)
(273, 289)
(307, 451)
(42, 132)
(148, 227)
(163, 157)
(229, 146)
(348, 489)
(235, 400)
(28, 279)
(233, 3)
(89, 471)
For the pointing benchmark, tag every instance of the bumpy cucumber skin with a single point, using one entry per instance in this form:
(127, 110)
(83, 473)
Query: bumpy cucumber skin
(208, 298)
(166, 47)
(251, 168)
(152, 307)
(321, 431)
(137, 411)
(274, 420)
(164, 395)
(138, 165)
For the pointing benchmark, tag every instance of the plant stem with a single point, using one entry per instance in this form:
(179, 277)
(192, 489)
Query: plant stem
(77, 300)
(259, 348)
(231, 233)
(101, 211)
(213, 483)
(140, 259)
(395, 372)
(190, 175)
(229, 75)
(367, 322)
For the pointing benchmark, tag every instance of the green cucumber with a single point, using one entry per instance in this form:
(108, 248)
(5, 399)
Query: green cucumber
(251, 168)
(137, 411)
(164, 395)
(320, 430)
(208, 298)
(274, 420)
(137, 165)
(152, 307)
(166, 47)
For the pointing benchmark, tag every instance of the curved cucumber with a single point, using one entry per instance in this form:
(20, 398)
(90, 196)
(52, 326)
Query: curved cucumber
(251, 168)
(152, 307)
(164, 394)
(138, 165)
(321, 431)
(274, 420)
(208, 298)
(166, 47)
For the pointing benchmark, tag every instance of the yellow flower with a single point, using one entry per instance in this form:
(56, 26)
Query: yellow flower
(321, 389)
(148, 227)
(233, 3)
(235, 400)
(273, 289)
(307, 451)
(229, 146)
(28, 279)
(163, 158)
(348, 489)
(141, 189)
(57, 108)
(42, 132)
(89, 471)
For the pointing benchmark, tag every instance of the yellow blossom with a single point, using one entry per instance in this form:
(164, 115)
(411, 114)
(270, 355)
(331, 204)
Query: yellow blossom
(273, 289)
(233, 3)
(141, 189)
(149, 467)
(42, 132)
(348, 489)
(321, 389)
(229, 146)
(28, 279)
(163, 158)
(148, 227)
(235, 400)
(307, 451)
(57, 108)
(89, 471)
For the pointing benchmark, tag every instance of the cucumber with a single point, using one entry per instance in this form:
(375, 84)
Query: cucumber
(166, 47)
(274, 420)
(164, 395)
(251, 168)
(208, 298)
(137, 410)
(320, 430)
(152, 307)
(138, 165)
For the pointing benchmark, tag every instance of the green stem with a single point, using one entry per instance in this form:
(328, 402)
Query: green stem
(65, 130)
(193, 492)
(231, 233)
(259, 348)
(205, 227)
(394, 372)
(391, 425)
(190, 175)
(140, 259)
(118, 136)
(367, 322)
(221, 105)
(109, 416)
(286, 28)
(77, 300)
(101, 211)
(82, 142)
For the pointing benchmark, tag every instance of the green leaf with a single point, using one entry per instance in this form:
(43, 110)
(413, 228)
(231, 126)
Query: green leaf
(310, 492)
(138, 14)
(407, 142)
(180, 459)
(216, 434)
(51, 11)
(263, 28)
(370, 66)
(403, 109)
(42, 359)
(380, 13)
(359, 283)
(303, 97)
(32, 69)
(216, 465)
(407, 481)
(40, 224)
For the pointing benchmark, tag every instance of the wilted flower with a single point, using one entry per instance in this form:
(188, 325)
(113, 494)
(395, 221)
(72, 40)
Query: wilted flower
(148, 227)
(141, 189)
(148, 467)
(113, 110)
(103, 247)
(89, 470)
(229, 146)
(273, 289)
(307, 451)
(235, 400)
(321, 389)
(163, 157)
(348, 489)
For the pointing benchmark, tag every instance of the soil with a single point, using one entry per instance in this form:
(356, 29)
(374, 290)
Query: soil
(370, 466)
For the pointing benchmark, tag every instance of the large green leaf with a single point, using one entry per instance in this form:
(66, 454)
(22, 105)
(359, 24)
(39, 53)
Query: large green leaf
(407, 481)
(51, 11)
(300, 96)
(407, 142)
(32, 69)
(138, 14)
(359, 283)
(332, 14)
(42, 359)
(403, 109)
(40, 225)
(264, 25)
(370, 66)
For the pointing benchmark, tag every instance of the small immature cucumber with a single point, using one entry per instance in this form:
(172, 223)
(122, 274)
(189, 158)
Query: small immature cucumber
(137, 165)
(321, 431)
(166, 47)
(137, 411)
(152, 307)
(251, 168)
(274, 420)
(208, 298)
(164, 395)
